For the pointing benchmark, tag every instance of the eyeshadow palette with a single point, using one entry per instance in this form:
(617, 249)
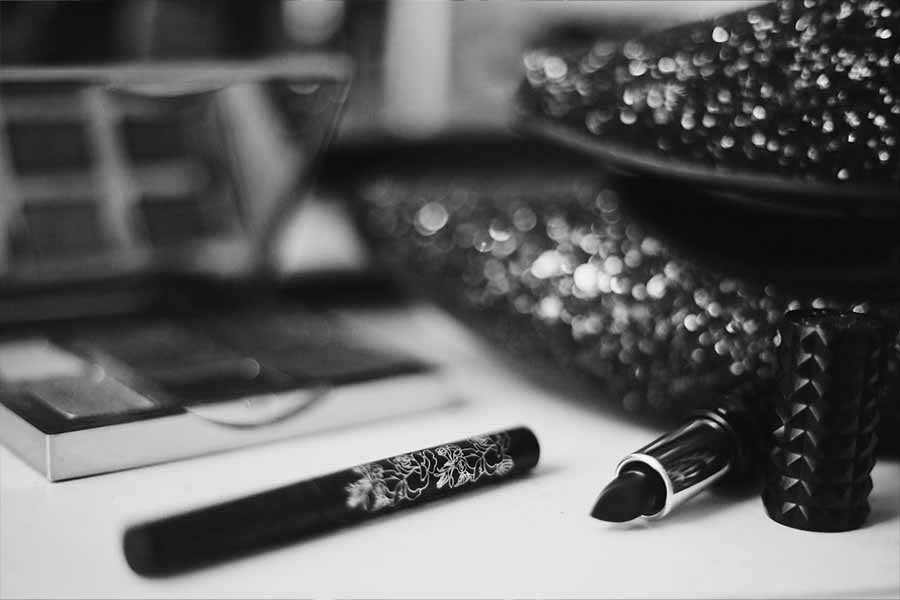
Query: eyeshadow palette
(110, 395)
(119, 184)
(124, 191)
(142, 168)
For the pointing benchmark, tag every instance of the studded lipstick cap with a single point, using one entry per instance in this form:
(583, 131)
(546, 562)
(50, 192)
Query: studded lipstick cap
(822, 429)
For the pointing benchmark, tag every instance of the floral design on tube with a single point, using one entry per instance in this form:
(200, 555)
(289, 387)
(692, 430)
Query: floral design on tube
(391, 482)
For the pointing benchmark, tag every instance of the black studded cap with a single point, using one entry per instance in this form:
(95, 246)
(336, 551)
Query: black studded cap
(821, 427)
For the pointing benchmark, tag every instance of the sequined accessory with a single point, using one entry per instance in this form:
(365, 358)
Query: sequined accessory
(545, 256)
(795, 91)
(822, 423)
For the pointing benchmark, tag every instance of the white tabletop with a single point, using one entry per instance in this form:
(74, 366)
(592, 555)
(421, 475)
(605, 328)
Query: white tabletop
(530, 538)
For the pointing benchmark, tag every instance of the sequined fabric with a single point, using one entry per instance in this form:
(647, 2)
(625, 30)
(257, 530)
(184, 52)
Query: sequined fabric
(803, 89)
(556, 265)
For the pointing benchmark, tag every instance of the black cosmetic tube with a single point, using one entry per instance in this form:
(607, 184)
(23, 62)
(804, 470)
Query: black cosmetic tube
(328, 502)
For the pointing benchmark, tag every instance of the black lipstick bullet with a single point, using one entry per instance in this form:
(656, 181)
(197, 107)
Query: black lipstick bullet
(720, 442)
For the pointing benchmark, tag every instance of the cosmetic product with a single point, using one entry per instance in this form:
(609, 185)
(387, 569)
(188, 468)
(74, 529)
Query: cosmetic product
(821, 426)
(715, 443)
(328, 502)
(129, 187)
(109, 395)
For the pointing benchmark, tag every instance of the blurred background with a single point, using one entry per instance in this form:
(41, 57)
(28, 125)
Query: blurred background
(442, 65)
(421, 66)
(454, 61)
(420, 70)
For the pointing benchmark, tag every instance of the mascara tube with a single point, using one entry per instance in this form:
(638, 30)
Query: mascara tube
(328, 502)
(715, 443)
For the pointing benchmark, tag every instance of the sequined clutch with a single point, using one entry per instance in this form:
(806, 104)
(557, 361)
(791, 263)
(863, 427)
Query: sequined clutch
(658, 298)
(794, 104)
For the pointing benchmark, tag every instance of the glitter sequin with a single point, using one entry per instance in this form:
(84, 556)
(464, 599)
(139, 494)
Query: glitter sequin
(819, 74)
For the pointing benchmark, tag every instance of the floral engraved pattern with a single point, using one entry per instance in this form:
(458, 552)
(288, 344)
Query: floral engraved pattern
(404, 478)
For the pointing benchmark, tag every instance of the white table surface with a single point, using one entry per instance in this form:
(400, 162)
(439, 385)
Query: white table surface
(531, 538)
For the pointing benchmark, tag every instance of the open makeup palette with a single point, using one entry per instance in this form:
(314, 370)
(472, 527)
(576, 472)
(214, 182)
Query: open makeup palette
(124, 191)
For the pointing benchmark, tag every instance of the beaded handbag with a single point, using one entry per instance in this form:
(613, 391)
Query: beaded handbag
(658, 299)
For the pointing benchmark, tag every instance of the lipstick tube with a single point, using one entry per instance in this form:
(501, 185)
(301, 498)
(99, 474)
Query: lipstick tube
(687, 461)
(715, 443)
(328, 502)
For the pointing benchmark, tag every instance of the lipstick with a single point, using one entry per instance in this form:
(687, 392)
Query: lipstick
(716, 443)
(318, 505)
